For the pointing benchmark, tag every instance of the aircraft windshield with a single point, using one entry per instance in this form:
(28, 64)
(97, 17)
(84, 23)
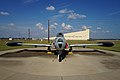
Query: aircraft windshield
(60, 40)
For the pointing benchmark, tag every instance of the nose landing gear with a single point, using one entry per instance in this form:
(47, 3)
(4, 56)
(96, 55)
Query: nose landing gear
(59, 58)
(61, 55)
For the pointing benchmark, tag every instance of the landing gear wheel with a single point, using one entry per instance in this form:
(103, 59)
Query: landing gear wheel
(49, 49)
(70, 49)
(60, 58)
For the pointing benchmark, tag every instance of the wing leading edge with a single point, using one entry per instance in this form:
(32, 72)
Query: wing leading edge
(26, 44)
(80, 45)
(105, 44)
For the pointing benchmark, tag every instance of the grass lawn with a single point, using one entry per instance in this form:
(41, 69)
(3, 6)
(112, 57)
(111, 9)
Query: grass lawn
(116, 47)
(3, 45)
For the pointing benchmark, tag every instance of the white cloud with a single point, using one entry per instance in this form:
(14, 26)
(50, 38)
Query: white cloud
(86, 27)
(82, 16)
(63, 24)
(89, 27)
(54, 25)
(57, 16)
(50, 8)
(93, 31)
(66, 26)
(11, 24)
(4, 13)
(71, 14)
(40, 26)
(46, 30)
(65, 11)
(107, 31)
(29, 1)
(76, 16)
(99, 28)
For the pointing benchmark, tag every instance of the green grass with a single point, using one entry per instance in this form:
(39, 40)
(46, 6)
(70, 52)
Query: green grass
(3, 45)
(116, 47)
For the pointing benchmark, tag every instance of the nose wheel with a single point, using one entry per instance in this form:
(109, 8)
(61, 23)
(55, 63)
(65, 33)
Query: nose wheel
(59, 58)
(61, 55)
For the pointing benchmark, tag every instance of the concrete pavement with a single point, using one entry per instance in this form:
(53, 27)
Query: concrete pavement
(76, 67)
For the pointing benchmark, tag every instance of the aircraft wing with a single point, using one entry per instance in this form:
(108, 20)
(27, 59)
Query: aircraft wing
(106, 44)
(79, 45)
(26, 44)
(39, 45)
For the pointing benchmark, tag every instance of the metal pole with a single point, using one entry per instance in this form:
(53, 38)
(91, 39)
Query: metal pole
(28, 33)
(48, 32)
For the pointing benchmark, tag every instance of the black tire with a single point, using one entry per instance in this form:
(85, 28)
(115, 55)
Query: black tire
(70, 49)
(60, 58)
(49, 49)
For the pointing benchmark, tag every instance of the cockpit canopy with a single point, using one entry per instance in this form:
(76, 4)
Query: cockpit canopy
(60, 40)
(60, 35)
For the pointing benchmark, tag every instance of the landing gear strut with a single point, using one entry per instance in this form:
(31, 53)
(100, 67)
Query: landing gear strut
(61, 55)
(70, 49)
(49, 49)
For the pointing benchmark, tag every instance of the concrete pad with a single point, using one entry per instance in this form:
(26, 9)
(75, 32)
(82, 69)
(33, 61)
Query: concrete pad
(22, 76)
(76, 67)
(5, 74)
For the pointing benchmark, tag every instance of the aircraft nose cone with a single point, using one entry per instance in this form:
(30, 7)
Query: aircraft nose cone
(60, 45)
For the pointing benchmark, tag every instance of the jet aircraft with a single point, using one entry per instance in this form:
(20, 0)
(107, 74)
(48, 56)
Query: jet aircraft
(60, 45)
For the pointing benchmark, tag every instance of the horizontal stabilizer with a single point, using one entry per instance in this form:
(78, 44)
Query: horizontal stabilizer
(14, 44)
(106, 44)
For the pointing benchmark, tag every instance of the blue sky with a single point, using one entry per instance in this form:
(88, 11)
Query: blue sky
(101, 16)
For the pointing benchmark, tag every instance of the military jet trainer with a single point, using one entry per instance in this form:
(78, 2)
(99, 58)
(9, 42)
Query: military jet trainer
(60, 45)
